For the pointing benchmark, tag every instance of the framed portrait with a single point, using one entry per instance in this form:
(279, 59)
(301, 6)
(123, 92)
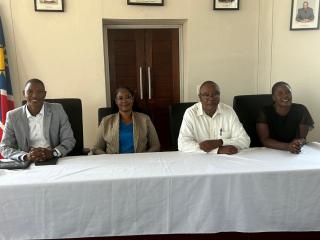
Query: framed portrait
(49, 5)
(146, 2)
(304, 15)
(226, 4)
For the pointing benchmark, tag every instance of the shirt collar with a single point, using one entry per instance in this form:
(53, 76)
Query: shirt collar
(29, 115)
(200, 111)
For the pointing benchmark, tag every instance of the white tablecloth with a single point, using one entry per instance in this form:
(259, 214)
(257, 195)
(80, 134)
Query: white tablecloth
(163, 193)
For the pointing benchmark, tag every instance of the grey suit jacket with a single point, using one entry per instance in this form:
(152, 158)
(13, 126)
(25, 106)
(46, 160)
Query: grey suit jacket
(302, 14)
(57, 131)
(145, 138)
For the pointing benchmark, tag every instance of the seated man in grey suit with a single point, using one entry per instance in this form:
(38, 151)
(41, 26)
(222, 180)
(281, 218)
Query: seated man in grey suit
(38, 130)
(305, 14)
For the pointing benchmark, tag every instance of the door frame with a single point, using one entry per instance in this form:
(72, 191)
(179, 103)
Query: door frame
(141, 26)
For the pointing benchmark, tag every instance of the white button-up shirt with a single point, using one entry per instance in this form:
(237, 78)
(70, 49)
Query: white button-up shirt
(36, 133)
(197, 127)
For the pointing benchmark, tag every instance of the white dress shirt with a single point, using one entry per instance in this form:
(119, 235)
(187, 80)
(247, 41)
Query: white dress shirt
(197, 127)
(36, 133)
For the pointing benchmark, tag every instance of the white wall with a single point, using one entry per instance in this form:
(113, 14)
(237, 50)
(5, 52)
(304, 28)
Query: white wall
(244, 51)
(65, 50)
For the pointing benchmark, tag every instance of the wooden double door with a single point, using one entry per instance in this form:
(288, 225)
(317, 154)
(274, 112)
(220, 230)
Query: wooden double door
(147, 61)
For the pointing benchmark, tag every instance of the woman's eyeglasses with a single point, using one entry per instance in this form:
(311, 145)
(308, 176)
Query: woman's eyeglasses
(124, 98)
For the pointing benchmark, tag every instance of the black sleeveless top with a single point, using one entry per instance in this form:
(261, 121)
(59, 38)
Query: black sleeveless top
(285, 128)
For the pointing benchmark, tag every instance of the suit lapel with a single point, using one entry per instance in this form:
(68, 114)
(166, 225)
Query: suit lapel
(117, 131)
(135, 132)
(25, 123)
(47, 121)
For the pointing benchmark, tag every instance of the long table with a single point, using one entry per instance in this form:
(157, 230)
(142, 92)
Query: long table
(256, 190)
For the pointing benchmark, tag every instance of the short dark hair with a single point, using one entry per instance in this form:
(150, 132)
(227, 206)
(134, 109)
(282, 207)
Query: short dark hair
(34, 80)
(278, 84)
(123, 88)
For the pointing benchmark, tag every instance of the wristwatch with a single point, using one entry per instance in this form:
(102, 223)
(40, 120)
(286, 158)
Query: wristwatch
(55, 153)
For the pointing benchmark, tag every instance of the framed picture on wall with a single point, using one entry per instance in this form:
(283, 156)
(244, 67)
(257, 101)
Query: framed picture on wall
(49, 5)
(226, 4)
(146, 2)
(304, 15)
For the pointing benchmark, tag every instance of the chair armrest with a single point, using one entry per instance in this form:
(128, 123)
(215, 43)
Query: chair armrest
(85, 151)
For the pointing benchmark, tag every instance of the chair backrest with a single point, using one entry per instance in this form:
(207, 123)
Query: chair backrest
(73, 108)
(247, 108)
(176, 112)
(102, 112)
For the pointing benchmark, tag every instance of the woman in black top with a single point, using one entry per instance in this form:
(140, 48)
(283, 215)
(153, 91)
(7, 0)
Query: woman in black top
(284, 125)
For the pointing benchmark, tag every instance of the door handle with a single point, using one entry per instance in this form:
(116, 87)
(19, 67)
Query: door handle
(149, 82)
(140, 81)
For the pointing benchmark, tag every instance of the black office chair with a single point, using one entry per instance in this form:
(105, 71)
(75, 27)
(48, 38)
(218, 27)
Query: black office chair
(73, 108)
(247, 108)
(102, 112)
(176, 112)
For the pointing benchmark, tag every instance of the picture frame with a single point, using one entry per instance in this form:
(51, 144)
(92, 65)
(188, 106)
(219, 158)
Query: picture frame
(226, 4)
(49, 5)
(146, 2)
(304, 15)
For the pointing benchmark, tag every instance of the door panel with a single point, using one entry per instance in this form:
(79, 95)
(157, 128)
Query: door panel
(126, 56)
(162, 46)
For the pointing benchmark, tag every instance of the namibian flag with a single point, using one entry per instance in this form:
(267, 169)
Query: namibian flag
(6, 97)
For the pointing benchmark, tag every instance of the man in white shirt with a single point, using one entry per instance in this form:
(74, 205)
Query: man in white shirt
(211, 126)
(38, 130)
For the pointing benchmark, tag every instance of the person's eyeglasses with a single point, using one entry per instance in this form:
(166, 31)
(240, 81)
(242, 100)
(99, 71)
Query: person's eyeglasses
(207, 96)
(124, 98)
